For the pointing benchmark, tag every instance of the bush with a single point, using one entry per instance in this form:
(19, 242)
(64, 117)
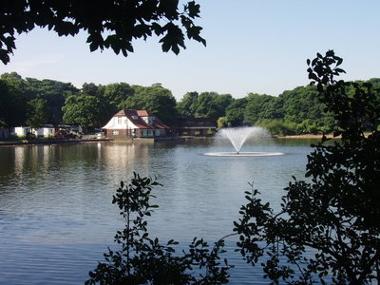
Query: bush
(278, 126)
(328, 228)
(144, 260)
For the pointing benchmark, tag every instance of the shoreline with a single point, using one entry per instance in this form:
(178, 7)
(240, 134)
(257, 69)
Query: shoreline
(49, 142)
(307, 136)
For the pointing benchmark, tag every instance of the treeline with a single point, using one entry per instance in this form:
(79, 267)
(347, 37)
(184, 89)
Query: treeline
(36, 102)
(297, 111)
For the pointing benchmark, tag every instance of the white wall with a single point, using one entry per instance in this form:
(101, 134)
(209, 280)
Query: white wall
(21, 131)
(119, 123)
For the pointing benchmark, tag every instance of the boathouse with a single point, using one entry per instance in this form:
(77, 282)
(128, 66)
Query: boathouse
(196, 127)
(130, 123)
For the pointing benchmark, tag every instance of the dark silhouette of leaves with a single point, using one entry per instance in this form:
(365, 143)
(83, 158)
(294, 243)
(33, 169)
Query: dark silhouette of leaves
(109, 24)
(328, 228)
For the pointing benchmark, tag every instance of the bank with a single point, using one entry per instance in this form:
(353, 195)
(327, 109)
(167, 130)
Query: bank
(49, 141)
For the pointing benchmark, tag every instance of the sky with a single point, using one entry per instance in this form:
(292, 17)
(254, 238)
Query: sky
(252, 46)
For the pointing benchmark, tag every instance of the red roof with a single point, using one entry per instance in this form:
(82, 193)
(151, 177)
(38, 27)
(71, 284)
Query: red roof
(142, 113)
(135, 116)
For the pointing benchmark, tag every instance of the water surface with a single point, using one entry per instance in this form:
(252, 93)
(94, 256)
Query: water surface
(56, 216)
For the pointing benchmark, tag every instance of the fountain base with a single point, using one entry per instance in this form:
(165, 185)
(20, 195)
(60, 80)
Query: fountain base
(243, 154)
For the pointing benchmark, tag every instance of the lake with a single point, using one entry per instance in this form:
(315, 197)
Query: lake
(56, 215)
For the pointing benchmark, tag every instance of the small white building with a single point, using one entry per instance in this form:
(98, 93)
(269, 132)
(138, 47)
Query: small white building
(129, 123)
(21, 131)
(46, 131)
(4, 133)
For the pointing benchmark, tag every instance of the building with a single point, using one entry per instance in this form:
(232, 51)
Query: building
(47, 131)
(129, 123)
(21, 131)
(196, 127)
(4, 133)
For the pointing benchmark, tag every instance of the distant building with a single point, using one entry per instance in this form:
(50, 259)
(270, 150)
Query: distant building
(21, 131)
(4, 133)
(45, 131)
(130, 123)
(75, 129)
(196, 127)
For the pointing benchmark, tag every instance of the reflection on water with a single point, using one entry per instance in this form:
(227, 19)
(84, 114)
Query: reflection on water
(56, 215)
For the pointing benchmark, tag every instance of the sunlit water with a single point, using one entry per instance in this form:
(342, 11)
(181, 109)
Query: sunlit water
(56, 216)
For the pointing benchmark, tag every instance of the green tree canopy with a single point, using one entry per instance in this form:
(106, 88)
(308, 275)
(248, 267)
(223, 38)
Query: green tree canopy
(109, 24)
(38, 113)
(13, 99)
(212, 105)
(209, 105)
(117, 93)
(235, 112)
(54, 93)
(83, 110)
(156, 99)
(262, 107)
(186, 107)
(302, 106)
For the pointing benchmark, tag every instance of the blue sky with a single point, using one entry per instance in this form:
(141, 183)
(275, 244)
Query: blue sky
(252, 46)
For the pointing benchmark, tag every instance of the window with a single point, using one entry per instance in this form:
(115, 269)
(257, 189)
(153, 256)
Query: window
(115, 132)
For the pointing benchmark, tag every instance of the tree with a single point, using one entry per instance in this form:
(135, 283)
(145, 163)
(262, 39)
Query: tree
(13, 99)
(91, 89)
(38, 113)
(116, 93)
(328, 228)
(83, 110)
(235, 112)
(186, 107)
(303, 107)
(144, 260)
(109, 24)
(156, 99)
(262, 107)
(212, 105)
(54, 93)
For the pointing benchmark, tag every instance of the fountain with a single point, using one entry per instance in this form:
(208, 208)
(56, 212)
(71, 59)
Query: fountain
(238, 136)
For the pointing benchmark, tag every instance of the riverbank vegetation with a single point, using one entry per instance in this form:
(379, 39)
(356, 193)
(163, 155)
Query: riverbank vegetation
(28, 101)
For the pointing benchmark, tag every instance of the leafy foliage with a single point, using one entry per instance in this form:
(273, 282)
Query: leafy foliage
(262, 107)
(117, 93)
(109, 24)
(235, 112)
(144, 260)
(328, 228)
(13, 101)
(209, 105)
(54, 93)
(82, 110)
(156, 99)
(37, 112)
(186, 107)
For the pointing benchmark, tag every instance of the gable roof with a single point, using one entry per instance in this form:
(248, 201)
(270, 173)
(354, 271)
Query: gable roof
(136, 117)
